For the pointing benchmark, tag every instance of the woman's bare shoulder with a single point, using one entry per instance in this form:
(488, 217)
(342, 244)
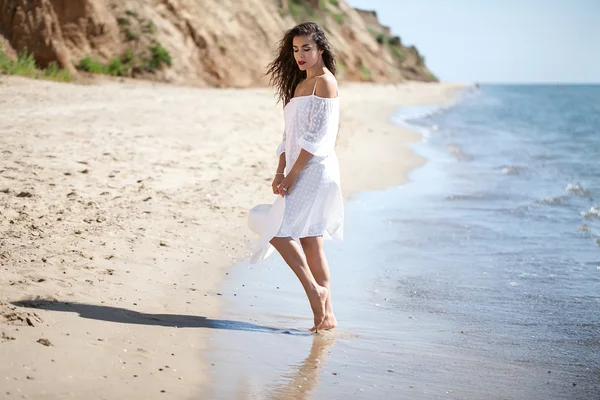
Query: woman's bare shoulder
(327, 86)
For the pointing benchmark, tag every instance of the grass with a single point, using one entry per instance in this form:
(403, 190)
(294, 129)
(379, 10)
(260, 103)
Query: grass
(338, 17)
(130, 36)
(323, 8)
(146, 57)
(128, 56)
(149, 27)
(365, 72)
(395, 41)
(26, 66)
(379, 36)
(133, 30)
(431, 76)
(300, 9)
(295, 8)
(115, 68)
(158, 56)
(397, 52)
(55, 73)
(125, 65)
(88, 64)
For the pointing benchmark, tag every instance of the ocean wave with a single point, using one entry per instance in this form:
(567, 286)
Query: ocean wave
(577, 190)
(593, 212)
(553, 200)
(512, 170)
(543, 157)
(458, 153)
(465, 197)
(408, 116)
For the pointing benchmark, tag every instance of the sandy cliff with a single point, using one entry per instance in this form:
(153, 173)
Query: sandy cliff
(225, 43)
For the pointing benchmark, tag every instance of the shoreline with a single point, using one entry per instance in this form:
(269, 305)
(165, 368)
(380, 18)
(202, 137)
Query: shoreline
(124, 194)
(386, 139)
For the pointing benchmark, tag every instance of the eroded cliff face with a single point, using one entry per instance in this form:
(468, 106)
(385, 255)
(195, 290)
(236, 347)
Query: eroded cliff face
(55, 31)
(224, 43)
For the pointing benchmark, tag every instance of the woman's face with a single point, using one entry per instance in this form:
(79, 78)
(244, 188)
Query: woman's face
(306, 52)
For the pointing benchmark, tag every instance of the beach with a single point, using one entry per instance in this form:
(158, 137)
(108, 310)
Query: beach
(123, 205)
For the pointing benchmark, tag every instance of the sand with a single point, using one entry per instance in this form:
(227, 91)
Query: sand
(122, 204)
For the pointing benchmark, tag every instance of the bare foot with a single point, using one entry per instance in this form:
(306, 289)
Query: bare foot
(329, 322)
(318, 299)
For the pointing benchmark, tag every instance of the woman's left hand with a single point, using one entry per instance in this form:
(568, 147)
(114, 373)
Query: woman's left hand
(286, 185)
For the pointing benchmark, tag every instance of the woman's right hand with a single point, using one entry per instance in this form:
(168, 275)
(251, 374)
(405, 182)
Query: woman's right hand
(276, 181)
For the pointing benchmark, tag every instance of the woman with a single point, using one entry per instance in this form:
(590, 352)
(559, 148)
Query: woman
(307, 175)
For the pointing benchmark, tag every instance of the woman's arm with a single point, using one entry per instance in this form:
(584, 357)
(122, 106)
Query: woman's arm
(301, 162)
(280, 172)
(290, 179)
(281, 164)
(279, 175)
(327, 88)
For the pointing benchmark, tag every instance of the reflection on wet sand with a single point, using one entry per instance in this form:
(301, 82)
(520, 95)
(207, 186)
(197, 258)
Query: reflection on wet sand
(304, 377)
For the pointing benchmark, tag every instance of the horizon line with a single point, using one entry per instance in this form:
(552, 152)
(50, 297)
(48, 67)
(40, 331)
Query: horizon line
(548, 83)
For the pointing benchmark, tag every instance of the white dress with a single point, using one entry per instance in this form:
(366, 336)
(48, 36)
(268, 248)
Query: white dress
(314, 206)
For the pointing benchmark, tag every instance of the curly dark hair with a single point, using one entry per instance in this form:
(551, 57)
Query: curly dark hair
(285, 74)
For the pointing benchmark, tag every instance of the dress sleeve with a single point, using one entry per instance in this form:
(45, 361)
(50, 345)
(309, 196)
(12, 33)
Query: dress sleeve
(281, 148)
(323, 121)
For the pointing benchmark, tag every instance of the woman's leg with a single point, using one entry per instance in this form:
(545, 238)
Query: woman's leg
(317, 294)
(317, 262)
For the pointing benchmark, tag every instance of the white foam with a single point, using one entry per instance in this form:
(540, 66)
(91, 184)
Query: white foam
(554, 200)
(458, 152)
(593, 212)
(576, 189)
(512, 170)
(584, 228)
(404, 115)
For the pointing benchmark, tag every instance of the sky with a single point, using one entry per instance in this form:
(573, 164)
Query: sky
(499, 41)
